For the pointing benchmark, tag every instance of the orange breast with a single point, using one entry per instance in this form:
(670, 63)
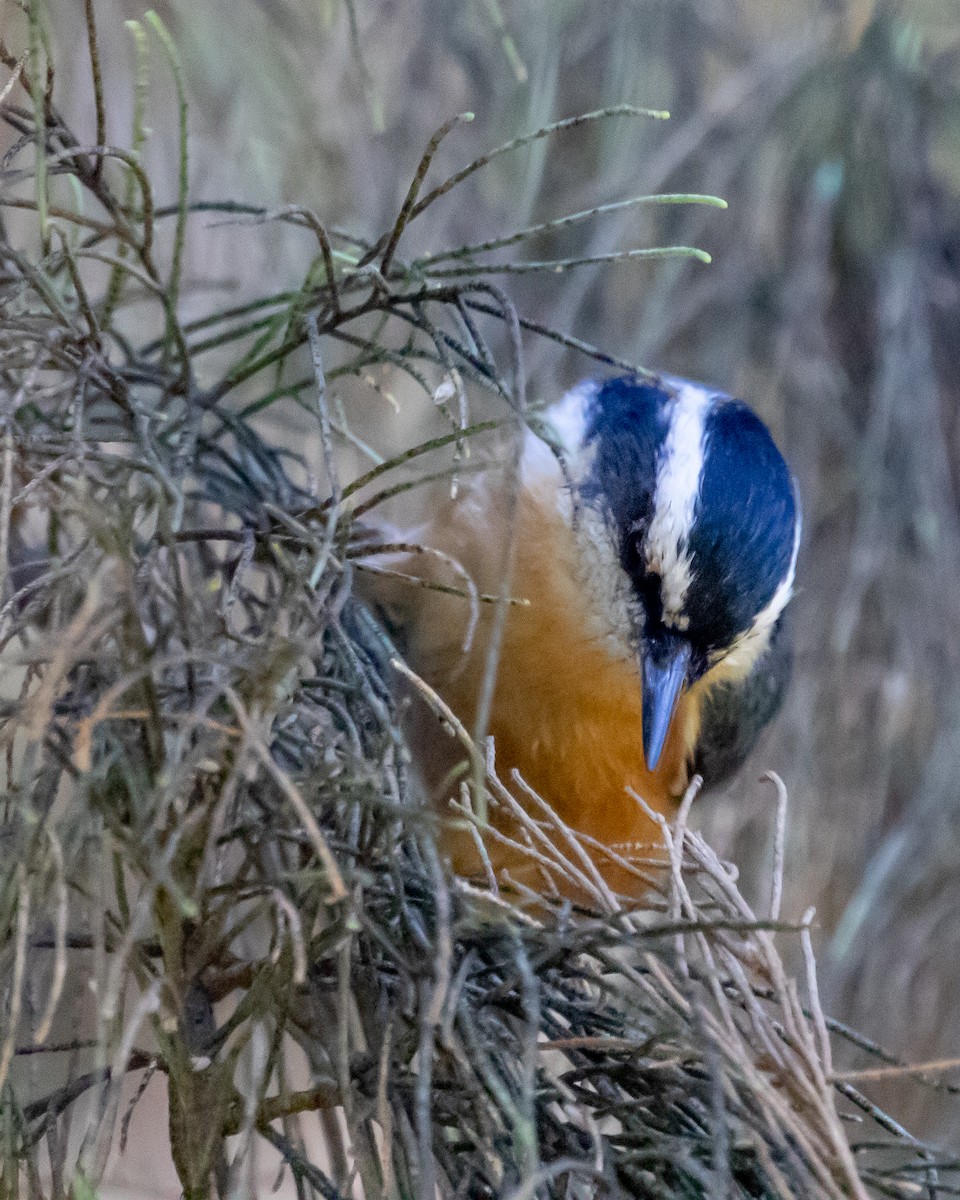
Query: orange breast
(567, 708)
(567, 717)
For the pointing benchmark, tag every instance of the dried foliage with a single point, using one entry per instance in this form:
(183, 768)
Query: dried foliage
(215, 864)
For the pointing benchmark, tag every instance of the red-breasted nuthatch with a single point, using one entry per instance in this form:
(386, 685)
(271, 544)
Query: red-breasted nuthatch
(657, 556)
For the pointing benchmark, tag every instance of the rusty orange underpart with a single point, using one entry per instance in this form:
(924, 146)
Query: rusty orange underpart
(567, 707)
(569, 721)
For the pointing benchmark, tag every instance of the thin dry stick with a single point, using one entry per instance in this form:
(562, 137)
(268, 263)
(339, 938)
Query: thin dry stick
(59, 939)
(407, 210)
(511, 516)
(375, 550)
(603, 892)
(813, 992)
(478, 842)
(338, 890)
(933, 1066)
(554, 265)
(532, 231)
(12, 83)
(617, 110)
(445, 589)
(535, 831)
(288, 916)
(6, 470)
(440, 707)
(779, 842)
(97, 1151)
(679, 897)
(23, 894)
(548, 860)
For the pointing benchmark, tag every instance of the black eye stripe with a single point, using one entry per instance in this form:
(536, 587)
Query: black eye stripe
(646, 585)
(634, 555)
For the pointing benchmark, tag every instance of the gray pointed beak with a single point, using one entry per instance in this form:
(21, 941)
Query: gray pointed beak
(666, 660)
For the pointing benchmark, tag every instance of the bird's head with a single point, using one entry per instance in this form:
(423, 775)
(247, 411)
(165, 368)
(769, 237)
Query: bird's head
(687, 523)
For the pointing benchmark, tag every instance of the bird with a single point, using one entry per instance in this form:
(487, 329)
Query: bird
(657, 529)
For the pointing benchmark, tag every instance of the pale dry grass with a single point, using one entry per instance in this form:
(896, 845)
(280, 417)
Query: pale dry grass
(205, 773)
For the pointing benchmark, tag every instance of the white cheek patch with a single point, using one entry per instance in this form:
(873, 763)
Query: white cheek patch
(675, 497)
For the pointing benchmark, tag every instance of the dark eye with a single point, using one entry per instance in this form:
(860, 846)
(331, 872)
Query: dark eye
(633, 556)
(647, 587)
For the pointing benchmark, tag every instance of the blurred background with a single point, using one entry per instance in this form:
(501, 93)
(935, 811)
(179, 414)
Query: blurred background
(832, 304)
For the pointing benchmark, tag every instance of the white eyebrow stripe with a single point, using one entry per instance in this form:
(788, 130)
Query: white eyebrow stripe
(748, 647)
(567, 421)
(679, 472)
(568, 417)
